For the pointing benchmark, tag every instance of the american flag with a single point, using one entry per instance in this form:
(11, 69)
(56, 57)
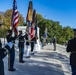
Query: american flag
(15, 18)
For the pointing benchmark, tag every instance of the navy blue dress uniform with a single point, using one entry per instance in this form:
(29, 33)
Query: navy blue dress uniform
(11, 55)
(71, 47)
(32, 44)
(3, 53)
(21, 47)
(26, 37)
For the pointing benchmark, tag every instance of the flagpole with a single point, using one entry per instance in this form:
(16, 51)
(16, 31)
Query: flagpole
(42, 19)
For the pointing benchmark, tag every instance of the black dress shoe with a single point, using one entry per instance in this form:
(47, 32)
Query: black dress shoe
(27, 56)
(32, 53)
(12, 69)
(21, 61)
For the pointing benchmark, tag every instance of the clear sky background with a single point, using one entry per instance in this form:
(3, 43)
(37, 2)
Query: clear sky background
(63, 11)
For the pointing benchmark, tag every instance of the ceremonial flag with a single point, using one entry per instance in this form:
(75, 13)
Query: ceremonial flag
(29, 18)
(34, 16)
(34, 20)
(32, 33)
(15, 18)
(29, 13)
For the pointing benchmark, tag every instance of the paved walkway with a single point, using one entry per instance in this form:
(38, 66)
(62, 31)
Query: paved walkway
(44, 62)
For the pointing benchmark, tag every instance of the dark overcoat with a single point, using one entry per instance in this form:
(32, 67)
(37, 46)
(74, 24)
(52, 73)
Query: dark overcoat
(71, 47)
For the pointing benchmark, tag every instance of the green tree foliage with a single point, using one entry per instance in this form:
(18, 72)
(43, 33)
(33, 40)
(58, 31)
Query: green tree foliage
(68, 33)
(41, 24)
(63, 34)
(7, 21)
(3, 32)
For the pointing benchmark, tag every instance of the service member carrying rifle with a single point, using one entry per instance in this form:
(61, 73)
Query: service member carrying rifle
(11, 55)
(3, 53)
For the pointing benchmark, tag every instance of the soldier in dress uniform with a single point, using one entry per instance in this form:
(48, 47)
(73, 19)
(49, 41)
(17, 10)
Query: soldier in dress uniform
(3, 53)
(35, 43)
(27, 45)
(11, 55)
(32, 38)
(71, 47)
(21, 47)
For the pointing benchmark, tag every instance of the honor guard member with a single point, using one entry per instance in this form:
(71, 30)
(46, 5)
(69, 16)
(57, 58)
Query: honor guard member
(27, 45)
(32, 39)
(71, 47)
(11, 55)
(21, 47)
(3, 53)
(35, 41)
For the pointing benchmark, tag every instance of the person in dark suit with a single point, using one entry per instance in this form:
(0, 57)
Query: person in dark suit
(21, 47)
(71, 47)
(11, 55)
(54, 43)
(3, 53)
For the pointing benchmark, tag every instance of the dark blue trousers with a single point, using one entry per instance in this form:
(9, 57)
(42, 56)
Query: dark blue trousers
(21, 52)
(73, 70)
(1, 67)
(32, 46)
(11, 58)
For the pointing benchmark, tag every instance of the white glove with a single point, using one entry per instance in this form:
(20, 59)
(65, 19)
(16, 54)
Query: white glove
(10, 44)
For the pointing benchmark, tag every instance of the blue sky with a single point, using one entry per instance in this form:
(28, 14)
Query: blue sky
(63, 11)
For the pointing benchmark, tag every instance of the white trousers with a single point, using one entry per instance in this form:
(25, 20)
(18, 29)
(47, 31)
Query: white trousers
(35, 47)
(27, 50)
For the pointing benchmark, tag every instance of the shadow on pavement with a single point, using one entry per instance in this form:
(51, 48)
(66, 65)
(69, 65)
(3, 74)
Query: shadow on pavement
(42, 63)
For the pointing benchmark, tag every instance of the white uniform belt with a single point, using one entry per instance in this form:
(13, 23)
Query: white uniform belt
(27, 40)
(32, 41)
